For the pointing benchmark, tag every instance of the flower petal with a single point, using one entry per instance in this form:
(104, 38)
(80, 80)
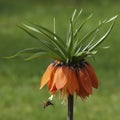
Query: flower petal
(47, 75)
(81, 91)
(72, 83)
(85, 80)
(51, 82)
(61, 76)
(92, 75)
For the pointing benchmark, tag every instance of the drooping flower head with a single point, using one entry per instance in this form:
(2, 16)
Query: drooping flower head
(70, 79)
(69, 73)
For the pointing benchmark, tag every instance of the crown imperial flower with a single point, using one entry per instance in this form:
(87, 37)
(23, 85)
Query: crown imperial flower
(68, 79)
(70, 72)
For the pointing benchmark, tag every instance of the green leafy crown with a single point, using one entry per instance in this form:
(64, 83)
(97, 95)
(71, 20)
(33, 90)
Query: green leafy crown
(71, 50)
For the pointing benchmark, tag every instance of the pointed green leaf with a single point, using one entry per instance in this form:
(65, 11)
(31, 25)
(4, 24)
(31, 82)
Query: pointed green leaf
(45, 44)
(106, 47)
(84, 39)
(90, 42)
(54, 28)
(26, 51)
(73, 16)
(81, 26)
(103, 37)
(49, 32)
(45, 55)
(55, 42)
(37, 55)
(77, 17)
(112, 19)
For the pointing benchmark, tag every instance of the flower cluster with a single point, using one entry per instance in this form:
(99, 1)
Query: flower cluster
(70, 79)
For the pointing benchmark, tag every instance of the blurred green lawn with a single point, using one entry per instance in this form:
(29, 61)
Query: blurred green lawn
(20, 98)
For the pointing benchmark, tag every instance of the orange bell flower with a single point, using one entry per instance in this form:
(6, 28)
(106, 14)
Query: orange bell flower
(70, 73)
(69, 79)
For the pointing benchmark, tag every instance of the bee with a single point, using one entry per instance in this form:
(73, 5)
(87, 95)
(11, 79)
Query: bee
(47, 103)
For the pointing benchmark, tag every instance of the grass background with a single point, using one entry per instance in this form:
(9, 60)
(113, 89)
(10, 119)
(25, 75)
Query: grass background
(20, 98)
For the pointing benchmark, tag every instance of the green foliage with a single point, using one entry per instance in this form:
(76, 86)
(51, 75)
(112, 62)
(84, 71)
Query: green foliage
(69, 51)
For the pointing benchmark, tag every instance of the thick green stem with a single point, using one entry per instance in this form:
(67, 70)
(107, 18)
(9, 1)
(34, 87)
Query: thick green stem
(70, 107)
